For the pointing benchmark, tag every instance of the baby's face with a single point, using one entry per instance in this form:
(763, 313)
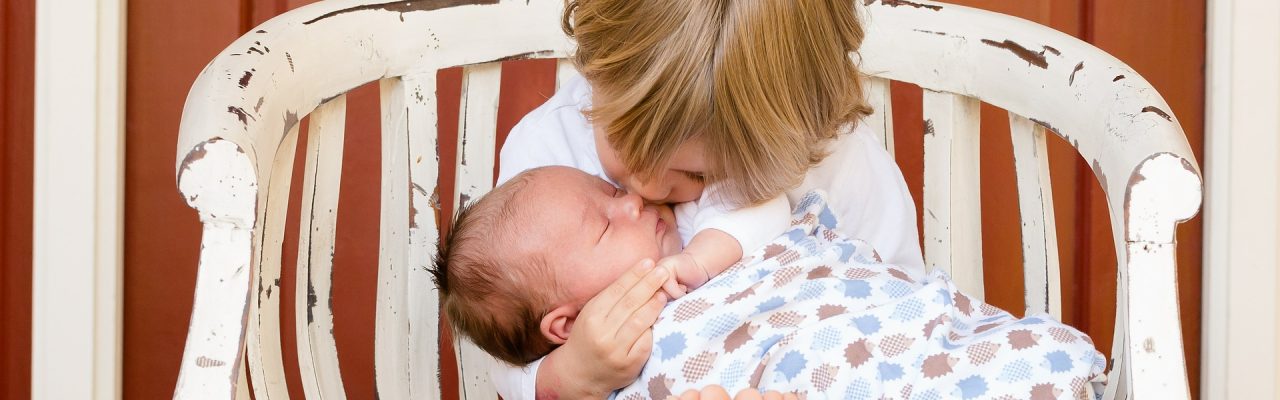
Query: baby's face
(593, 231)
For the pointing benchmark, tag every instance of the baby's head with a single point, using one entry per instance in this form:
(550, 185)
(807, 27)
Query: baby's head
(521, 261)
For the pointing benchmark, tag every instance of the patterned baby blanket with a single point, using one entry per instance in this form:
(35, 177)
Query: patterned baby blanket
(818, 314)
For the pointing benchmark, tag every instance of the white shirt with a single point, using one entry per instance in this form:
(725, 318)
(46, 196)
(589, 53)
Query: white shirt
(865, 189)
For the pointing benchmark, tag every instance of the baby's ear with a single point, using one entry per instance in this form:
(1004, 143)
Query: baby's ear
(557, 323)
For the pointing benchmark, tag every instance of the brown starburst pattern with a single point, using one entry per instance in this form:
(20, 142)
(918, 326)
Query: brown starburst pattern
(897, 273)
(660, 386)
(858, 352)
(819, 273)
(963, 303)
(745, 293)
(1022, 338)
(1045, 391)
(739, 337)
(829, 310)
(938, 365)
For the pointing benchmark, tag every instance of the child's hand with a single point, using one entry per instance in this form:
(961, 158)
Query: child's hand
(687, 274)
(611, 337)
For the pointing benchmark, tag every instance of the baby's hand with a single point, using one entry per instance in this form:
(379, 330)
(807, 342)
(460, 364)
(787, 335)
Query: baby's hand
(686, 274)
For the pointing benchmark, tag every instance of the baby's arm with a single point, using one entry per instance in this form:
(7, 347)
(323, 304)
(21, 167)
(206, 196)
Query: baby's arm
(722, 237)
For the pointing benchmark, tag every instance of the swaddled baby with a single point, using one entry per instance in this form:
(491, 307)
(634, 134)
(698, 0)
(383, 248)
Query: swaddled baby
(812, 312)
(523, 260)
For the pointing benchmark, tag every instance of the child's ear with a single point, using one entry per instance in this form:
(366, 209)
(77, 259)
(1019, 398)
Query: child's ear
(557, 323)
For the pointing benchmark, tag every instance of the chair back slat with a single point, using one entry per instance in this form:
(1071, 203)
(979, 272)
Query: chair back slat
(881, 102)
(477, 140)
(407, 320)
(317, 228)
(952, 201)
(266, 366)
(1041, 274)
(421, 122)
(565, 71)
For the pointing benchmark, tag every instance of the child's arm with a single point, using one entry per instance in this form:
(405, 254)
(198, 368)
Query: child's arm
(722, 238)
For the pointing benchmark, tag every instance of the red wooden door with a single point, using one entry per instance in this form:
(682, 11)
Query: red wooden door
(169, 42)
(17, 68)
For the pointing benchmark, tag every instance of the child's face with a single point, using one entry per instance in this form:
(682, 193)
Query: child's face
(594, 231)
(682, 180)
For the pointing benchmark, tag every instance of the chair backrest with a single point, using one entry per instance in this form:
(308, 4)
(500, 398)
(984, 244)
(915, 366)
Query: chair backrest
(239, 131)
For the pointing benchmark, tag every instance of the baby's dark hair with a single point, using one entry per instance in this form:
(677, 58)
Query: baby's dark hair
(485, 289)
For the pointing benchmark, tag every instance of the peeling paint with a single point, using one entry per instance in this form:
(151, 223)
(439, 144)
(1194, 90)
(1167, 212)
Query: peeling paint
(239, 113)
(930, 32)
(1118, 77)
(1097, 171)
(928, 127)
(1031, 57)
(1052, 50)
(521, 56)
(1072, 80)
(259, 105)
(1157, 111)
(311, 303)
(244, 80)
(1049, 127)
(206, 362)
(289, 57)
(403, 7)
(896, 3)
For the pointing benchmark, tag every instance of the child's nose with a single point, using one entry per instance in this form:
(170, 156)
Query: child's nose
(653, 190)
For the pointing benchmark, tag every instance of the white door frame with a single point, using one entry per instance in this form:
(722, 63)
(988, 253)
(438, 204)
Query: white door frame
(78, 188)
(1240, 358)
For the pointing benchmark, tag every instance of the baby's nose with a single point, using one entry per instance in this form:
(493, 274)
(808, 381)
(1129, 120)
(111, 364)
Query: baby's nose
(632, 204)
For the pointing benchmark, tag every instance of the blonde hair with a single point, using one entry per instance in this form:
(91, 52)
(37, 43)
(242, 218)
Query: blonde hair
(765, 83)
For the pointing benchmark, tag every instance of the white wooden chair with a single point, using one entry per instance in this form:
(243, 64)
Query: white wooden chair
(239, 131)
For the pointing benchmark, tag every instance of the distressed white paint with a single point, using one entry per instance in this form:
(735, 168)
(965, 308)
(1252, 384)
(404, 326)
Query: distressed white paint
(423, 297)
(266, 361)
(952, 201)
(391, 323)
(1241, 356)
(77, 186)
(1113, 118)
(1041, 275)
(478, 111)
(1164, 190)
(881, 102)
(313, 318)
(217, 180)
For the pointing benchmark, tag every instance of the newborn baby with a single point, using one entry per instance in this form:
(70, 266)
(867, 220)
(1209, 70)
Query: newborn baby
(811, 313)
(524, 259)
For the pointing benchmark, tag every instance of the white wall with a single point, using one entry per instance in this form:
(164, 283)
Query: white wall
(1241, 357)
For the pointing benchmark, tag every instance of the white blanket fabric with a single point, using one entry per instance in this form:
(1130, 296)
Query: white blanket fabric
(818, 314)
